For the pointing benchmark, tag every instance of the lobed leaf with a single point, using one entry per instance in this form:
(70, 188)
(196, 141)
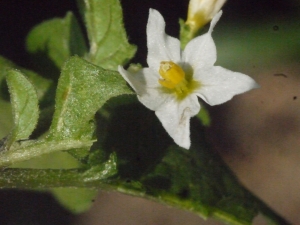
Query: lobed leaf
(82, 89)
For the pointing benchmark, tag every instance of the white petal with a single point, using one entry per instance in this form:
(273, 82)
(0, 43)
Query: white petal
(161, 47)
(154, 98)
(214, 21)
(201, 51)
(141, 79)
(175, 118)
(219, 85)
(146, 85)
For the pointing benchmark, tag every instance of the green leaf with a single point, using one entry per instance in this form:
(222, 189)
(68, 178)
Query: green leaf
(77, 200)
(82, 89)
(44, 87)
(6, 121)
(195, 179)
(24, 106)
(107, 37)
(54, 41)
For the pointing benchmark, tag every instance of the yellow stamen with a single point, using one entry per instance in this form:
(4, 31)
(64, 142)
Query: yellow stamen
(177, 81)
(173, 76)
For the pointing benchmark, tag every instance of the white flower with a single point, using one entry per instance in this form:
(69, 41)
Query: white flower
(175, 79)
(200, 12)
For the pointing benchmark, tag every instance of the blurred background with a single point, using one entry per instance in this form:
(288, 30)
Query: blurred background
(257, 133)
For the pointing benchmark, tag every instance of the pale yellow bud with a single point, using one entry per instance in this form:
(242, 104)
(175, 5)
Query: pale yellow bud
(201, 12)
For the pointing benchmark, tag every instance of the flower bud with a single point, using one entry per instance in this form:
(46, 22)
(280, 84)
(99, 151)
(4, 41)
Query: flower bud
(201, 12)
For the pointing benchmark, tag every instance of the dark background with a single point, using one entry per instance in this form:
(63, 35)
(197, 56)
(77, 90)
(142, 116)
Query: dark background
(18, 17)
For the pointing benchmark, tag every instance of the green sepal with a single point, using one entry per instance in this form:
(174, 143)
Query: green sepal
(101, 170)
(185, 33)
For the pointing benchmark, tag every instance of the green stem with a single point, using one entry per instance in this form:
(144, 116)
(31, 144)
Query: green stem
(39, 178)
(54, 178)
(49, 178)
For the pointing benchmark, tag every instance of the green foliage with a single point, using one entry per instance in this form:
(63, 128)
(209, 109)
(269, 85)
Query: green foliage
(54, 41)
(26, 150)
(203, 116)
(124, 147)
(6, 121)
(101, 171)
(77, 200)
(196, 180)
(82, 89)
(107, 37)
(42, 85)
(24, 103)
(53, 160)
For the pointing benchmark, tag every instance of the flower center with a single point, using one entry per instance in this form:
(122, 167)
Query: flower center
(173, 76)
(177, 81)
